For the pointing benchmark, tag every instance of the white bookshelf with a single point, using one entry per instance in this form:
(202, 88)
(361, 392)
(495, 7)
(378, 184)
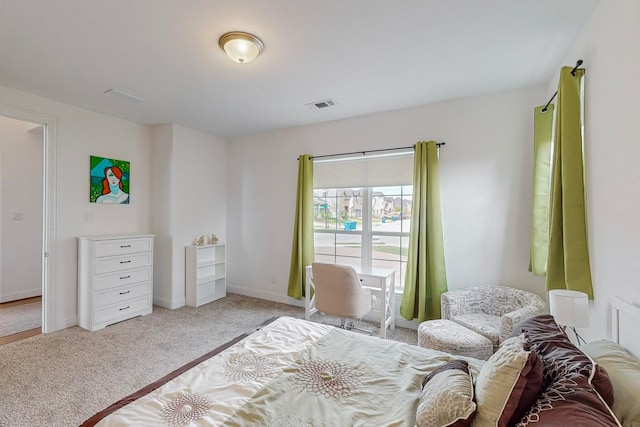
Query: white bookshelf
(205, 271)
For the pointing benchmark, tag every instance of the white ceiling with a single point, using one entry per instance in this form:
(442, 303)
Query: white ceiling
(368, 55)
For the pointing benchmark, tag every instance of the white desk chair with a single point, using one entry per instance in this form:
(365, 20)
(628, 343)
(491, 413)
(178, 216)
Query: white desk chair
(340, 294)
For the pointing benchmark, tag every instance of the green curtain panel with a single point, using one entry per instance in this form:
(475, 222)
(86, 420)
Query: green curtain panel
(302, 248)
(426, 277)
(542, 141)
(568, 261)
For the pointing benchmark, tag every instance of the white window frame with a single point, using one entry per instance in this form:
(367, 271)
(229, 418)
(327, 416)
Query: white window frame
(366, 237)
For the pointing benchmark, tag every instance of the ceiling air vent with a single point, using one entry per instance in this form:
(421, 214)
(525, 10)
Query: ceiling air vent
(123, 95)
(325, 103)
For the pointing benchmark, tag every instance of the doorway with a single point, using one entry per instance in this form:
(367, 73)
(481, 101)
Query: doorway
(42, 293)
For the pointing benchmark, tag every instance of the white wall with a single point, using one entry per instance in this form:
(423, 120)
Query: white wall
(608, 46)
(81, 133)
(162, 137)
(189, 169)
(21, 177)
(185, 197)
(486, 169)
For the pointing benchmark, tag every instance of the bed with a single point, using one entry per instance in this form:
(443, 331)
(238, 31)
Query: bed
(292, 372)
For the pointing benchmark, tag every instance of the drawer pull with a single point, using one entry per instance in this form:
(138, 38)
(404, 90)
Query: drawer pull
(125, 277)
(125, 262)
(125, 308)
(125, 246)
(124, 293)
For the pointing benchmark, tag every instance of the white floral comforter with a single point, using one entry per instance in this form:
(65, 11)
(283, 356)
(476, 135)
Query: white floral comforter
(292, 373)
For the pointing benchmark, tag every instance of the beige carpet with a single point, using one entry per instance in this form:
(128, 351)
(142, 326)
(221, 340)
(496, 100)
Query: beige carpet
(20, 318)
(62, 378)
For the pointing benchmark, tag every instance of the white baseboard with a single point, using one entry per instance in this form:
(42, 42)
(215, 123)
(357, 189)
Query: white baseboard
(400, 321)
(269, 296)
(169, 303)
(404, 323)
(66, 323)
(275, 297)
(14, 296)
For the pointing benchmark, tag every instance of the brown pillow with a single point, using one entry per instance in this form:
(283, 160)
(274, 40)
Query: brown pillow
(447, 397)
(529, 386)
(568, 401)
(508, 384)
(550, 342)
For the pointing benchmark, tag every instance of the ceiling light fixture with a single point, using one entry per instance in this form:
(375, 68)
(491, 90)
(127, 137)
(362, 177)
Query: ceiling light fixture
(241, 47)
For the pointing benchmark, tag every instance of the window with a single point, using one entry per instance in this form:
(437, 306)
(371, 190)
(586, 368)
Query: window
(366, 226)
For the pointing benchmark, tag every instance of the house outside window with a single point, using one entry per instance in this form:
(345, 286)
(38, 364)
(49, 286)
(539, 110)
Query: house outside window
(365, 226)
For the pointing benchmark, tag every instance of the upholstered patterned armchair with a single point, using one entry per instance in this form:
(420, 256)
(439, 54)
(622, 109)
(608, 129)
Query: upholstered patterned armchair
(491, 311)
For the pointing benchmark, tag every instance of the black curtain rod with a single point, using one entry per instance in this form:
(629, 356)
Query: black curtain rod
(573, 73)
(439, 144)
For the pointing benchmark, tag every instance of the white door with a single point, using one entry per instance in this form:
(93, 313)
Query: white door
(44, 250)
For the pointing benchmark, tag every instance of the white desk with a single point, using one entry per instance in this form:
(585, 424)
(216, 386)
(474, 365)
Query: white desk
(382, 282)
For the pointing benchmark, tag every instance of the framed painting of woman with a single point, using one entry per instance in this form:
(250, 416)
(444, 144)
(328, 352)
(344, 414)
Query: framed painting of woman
(109, 181)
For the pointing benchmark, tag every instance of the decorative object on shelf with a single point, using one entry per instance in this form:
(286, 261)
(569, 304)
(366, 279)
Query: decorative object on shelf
(212, 240)
(570, 308)
(109, 180)
(199, 241)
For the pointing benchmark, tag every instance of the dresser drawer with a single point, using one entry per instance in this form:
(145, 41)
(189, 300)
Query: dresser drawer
(113, 313)
(122, 278)
(122, 247)
(122, 294)
(120, 263)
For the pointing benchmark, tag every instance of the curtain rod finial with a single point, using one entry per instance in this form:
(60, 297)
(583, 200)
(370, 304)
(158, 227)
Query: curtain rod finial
(578, 64)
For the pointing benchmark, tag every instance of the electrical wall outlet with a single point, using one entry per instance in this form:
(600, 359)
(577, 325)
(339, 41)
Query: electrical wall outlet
(272, 279)
(17, 216)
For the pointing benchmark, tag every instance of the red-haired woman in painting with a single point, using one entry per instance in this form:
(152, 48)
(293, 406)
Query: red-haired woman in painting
(112, 187)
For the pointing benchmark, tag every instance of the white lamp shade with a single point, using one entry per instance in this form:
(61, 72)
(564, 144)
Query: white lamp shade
(241, 47)
(569, 308)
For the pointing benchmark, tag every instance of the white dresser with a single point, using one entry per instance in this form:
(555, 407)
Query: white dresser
(205, 274)
(115, 279)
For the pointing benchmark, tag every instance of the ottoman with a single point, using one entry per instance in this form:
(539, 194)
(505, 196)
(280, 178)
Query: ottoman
(450, 337)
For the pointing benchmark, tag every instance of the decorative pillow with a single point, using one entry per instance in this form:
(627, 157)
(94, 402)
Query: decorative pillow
(553, 345)
(508, 384)
(447, 397)
(569, 401)
(624, 372)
